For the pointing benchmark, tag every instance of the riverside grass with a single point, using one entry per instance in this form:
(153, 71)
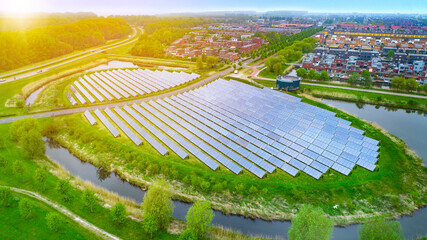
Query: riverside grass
(366, 97)
(393, 189)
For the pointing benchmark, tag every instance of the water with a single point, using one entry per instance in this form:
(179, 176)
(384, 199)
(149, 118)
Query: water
(407, 125)
(33, 96)
(113, 64)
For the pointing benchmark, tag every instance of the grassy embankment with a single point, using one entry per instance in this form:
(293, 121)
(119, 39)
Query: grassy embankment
(35, 228)
(376, 88)
(365, 97)
(393, 189)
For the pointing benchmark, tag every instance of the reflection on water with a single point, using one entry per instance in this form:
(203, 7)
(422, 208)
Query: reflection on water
(33, 96)
(113, 64)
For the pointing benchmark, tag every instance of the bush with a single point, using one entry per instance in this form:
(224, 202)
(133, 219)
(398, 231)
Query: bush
(379, 228)
(25, 208)
(5, 196)
(199, 218)
(158, 203)
(22, 126)
(187, 234)
(53, 221)
(118, 213)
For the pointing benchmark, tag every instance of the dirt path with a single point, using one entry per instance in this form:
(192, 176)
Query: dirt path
(68, 213)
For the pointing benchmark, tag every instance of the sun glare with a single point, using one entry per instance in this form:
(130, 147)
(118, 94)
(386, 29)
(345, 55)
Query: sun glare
(21, 7)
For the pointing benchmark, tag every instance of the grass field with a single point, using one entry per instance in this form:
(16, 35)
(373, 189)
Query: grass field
(365, 97)
(277, 196)
(267, 74)
(14, 226)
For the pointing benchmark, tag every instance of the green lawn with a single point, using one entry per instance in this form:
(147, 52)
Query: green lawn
(267, 74)
(13, 226)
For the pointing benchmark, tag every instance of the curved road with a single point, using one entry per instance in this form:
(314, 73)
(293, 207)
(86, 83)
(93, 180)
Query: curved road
(119, 104)
(85, 54)
(89, 226)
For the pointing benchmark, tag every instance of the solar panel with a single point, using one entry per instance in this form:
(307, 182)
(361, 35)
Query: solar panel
(90, 118)
(123, 127)
(106, 123)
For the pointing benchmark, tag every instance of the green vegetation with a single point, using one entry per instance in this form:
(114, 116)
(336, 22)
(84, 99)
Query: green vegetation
(276, 71)
(161, 33)
(29, 46)
(401, 83)
(118, 213)
(365, 97)
(284, 45)
(310, 224)
(380, 228)
(157, 205)
(26, 218)
(199, 218)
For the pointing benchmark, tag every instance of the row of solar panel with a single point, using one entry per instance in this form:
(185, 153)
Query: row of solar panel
(125, 83)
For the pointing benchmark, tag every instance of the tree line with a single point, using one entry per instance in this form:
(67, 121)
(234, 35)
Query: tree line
(20, 48)
(290, 53)
(161, 33)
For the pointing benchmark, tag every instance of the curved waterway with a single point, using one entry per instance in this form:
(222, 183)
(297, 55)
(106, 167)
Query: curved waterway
(413, 226)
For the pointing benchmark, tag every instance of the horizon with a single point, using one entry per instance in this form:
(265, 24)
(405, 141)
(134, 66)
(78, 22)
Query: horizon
(135, 7)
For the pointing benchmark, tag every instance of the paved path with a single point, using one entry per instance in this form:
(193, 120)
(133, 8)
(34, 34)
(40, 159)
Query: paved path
(89, 226)
(87, 53)
(366, 90)
(119, 104)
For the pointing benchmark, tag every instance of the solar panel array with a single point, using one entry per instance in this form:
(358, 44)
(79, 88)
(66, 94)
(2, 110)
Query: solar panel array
(240, 127)
(117, 84)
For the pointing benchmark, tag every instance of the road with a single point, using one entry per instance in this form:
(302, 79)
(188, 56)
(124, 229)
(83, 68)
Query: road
(119, 104)
(40, 68)
(89, 226)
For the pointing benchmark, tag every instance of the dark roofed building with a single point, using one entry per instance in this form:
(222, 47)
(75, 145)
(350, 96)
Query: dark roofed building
(287, 83)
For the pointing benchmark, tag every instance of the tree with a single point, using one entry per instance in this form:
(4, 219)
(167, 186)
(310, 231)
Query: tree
(32, 143)
(4, 163)
(211, 61)
(40, 177)
(390, 53)
(240, 63)
(26, 208)
(379, 228)
(199, 63)
(158, 203)
(398, 82)
(63, 187)
(354, 78)
(311, 74)
(199, 218)
(425, 87)
(187, 234)
(366, 78)
(53, 221)
(302, 73)
(150, 224)
(234, 66)
(324, 75)
(19, 168)
(89, 199)
(118, 213)
(277, 68)
(310, 224)
(412, 84)
(5, 196)
(22, 126)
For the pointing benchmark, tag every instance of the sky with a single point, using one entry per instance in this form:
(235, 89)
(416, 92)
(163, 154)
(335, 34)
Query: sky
(103, 7)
